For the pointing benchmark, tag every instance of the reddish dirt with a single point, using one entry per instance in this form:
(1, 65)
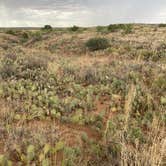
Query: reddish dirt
(68, 130)
(68, 133)
(103, 105)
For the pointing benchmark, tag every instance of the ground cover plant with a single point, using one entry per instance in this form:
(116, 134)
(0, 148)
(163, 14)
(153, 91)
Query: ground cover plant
(92, 98)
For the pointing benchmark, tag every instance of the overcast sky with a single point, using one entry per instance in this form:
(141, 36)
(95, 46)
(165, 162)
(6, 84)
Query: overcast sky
(18, 13)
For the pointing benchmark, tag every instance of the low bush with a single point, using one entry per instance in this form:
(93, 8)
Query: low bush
(115, 27)
(95, 44)
(100, 28)
(7, 66)
(127, 28)
(162, 25)
(37, 36)
(11, 32)
(47, 27)
(74, 28)
(24, 37)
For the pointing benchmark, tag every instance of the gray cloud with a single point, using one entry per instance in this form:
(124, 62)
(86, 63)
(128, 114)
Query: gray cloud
(80, 12)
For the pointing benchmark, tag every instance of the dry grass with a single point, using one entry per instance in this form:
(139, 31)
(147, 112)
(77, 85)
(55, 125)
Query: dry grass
(152, 153)
(88, 97)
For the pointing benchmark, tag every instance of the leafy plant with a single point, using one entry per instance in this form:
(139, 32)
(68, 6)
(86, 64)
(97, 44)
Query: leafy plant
(115, 27)
(47, 27)
(30, 153)
(162, 25)
(95, 44)
(127, 28)
(11, 32)
(74, 28)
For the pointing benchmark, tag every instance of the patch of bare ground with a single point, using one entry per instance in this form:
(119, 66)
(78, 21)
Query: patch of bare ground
(67, 132)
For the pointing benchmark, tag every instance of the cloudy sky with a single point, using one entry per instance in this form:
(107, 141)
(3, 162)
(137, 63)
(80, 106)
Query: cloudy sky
(34, 13)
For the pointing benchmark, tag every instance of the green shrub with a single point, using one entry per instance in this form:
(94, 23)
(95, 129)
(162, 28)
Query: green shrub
(24, 37)
(100, 28)
(84, 137)
(136, 133)
(11, 32)
(95, 44)
(115, 27)
(47, 27)
(162, 25)
(147, 54)
(37, 36)
(159, 84)
(74, 28)
(127, 28)
(160, 52)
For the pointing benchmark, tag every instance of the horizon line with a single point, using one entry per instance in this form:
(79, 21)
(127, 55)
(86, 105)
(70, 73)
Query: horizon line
(5, 27)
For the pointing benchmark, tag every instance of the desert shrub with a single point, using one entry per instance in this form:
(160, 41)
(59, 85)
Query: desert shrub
(162, 25)
(7, 70)
(154, 55)
(118, 85)
(47, 27)
(24, 37)
(159, 84)
(95, 44)
(127, 28)
(37, 36)
(112, 28)
(160, 52)
(135, 133)
(147, 54)
(33, 63)
(115, 27)
(70, 156)
(84, 137)
(7, 66)
(100, 28)
(140, 103)
(74, 28)
(11, 32)
(88, 76)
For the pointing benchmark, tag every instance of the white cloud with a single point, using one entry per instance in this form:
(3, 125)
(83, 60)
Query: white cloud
(80, 12)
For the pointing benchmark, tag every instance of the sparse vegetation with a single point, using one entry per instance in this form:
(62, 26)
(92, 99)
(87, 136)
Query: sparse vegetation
(62, 104)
